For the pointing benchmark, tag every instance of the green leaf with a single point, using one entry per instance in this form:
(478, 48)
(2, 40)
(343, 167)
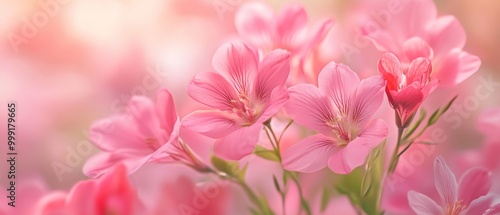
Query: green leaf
(276, 184)
(447, 106)
(231, 168)
(266, 153)
(434, 117)
(415, 125)
(305, 205)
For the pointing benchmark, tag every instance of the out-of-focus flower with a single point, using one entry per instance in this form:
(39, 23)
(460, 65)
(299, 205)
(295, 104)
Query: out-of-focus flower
(406, 88)
(340, 109)
(185, 197)
(416, 31)
(258, 24)
(246, 94)
(112, 194)
(468, 197)
(147, 132)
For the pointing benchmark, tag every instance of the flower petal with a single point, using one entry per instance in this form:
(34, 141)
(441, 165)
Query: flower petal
(309, 107)
(446, 183)
(357, 150)
(368, 98)
(238, 64)
(339, 82)
(273, 72)
(239, 143)
(423, 205)
(254, 22)
(480, 206)
(444, 34)
(213, 90)
(214, 124)
(419, 71)
(456, 67)
(279, 96)
(390, 68)
(474, 183)
(416, 47)
(291, 24)
(165, 108)
(309, 155)
(338, 163)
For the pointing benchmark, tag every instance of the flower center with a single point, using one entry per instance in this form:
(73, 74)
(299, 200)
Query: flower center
(244, 109)
(455, 209)
(344, 129)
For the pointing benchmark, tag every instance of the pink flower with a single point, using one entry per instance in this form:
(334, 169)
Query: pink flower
(245, 93)
(112, 194)
(340, 109)
(406, 88)
(468, 197)
(415, 31)
(261, 27)
(146, 132)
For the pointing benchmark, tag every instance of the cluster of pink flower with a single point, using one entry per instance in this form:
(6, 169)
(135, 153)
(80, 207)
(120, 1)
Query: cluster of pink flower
(262, 82)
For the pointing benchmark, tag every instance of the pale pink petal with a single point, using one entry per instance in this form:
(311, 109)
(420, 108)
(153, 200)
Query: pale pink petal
(309, 155)
(53, 203)
(366, 101)
(488, 122)
(273, 72)
(291, 24)
(446, 183)
(358, 149)
(115, 132)
(142, 112)
(479, 206)
(238, 64)
(474, 183)
(239, 143)
(279, 96)
(419, 71)
(423, 205)
(338, 163)
(308, 107)
(103, 163)
(416, 47)
(383, 41)
(456, 67)
(214, 124)
(165, 108)
(414, 18)
(254, 22)
(494, 210)
(444, 34)
(317, 33)
(339, 82)
(213, 90)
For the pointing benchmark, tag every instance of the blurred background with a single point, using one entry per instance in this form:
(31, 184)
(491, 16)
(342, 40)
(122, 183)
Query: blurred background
(68, 63)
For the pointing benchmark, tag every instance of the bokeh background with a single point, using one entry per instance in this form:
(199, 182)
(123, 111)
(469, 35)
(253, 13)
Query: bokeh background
(69, 63)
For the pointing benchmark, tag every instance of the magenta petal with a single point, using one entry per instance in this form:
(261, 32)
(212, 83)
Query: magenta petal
(238, 144)
(444, 34)
(456, 67)
(253, 22)
(308, 107)
(213, 90)
(357, 150)
(480, 206)
(273, 72)
(309, 155)
(474, 183)
(214, 124)
(238, 64)
(339, 82)
(446, 183)
(165, 108)
(389, 64)
(423, 205)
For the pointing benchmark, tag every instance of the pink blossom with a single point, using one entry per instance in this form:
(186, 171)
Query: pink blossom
(406, 88)
(146, 132)
(340, 109)
(112, 194)
(467, 197)
(244, 94)
(258, 24)
(416, 31)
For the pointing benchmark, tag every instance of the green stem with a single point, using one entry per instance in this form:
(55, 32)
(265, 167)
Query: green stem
(395, 158)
